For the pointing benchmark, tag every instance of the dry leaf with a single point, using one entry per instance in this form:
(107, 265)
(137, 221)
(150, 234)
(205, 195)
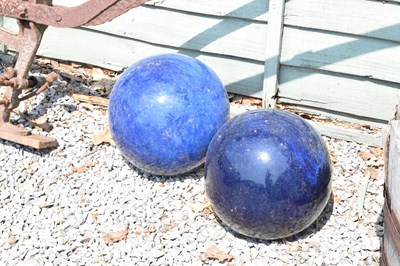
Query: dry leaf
(90, 164)
(251, 101)
(294, 248)
(53, 63)
(86, 239)
(365, 155)
(334, 197)
(81, 169)
(373, 171)
(103, 137)
(333, 158)
(168, 227)
(199, 207)
(66, 67)
(116, 236)
(214, 253)
(11, 239)
(377, 151)
(378, 163)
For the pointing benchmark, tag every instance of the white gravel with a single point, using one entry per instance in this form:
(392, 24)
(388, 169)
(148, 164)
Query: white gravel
(51, 215)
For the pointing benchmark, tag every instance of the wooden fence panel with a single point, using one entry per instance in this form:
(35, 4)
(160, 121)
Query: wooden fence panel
(342, 94)
(224, 36)
(360, 56)
(358, 17)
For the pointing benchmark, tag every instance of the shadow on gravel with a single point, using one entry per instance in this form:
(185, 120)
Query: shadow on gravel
(318, 224)
(50, 99)
(379, 225)
(196, 174)
(314, 228)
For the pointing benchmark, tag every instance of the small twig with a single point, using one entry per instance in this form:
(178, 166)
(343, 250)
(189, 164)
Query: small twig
(361, 194)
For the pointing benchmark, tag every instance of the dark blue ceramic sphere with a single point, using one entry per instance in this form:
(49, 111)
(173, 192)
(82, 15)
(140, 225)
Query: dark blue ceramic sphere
(164, 111)
(268, 174)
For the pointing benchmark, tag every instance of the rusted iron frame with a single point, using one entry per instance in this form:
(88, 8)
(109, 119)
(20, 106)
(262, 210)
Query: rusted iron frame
(26, 42)
(90, 13)
(33, 17)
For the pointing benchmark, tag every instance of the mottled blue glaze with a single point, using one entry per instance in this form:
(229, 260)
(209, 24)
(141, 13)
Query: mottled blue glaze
(268, 174)
(164, 111)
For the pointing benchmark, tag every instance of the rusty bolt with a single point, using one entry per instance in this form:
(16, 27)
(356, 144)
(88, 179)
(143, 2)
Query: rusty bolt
(58, 17)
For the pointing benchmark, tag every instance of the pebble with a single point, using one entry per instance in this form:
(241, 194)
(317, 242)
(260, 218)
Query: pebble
(60, 217)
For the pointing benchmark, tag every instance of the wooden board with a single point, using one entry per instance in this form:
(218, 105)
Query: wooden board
(361, 56)
(347, 134)
(366, 18)
(245, 9)
(239, 76)
(393, 180)
(3, 48)
(272, 53)
(391, 241)
(14, 134)
(359, 97)
(225, 36)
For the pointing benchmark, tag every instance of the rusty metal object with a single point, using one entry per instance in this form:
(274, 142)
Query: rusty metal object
(33, 17)
(90, 13)
(26, 42)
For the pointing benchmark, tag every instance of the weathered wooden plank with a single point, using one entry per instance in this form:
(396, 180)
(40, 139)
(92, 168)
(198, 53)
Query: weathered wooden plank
(330, 130)
(347, 134)
(225, 36)
(245, 9)
(113, 52)
(336, 116)
(393, 180)
(34, 140)
(367, 18)
(361, 56)
(3, 48)
(273, 52)
(361, 97)
(391, 241)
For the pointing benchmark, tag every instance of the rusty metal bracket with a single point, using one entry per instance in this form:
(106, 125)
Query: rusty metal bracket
(26, 42)
(33, 17)
(90, 13)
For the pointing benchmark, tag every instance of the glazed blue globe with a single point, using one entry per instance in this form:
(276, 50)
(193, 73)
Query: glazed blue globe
(267, 174)
(164, 111)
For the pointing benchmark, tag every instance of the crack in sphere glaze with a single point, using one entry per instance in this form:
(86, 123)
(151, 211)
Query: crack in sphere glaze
(268, 174)
(164, 111)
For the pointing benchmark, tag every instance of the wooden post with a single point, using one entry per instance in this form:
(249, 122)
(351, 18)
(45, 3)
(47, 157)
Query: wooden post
(273, 52)
(391, 239)
(3, 48)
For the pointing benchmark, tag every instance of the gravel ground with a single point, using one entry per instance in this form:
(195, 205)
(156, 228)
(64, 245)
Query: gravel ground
(71, 205)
